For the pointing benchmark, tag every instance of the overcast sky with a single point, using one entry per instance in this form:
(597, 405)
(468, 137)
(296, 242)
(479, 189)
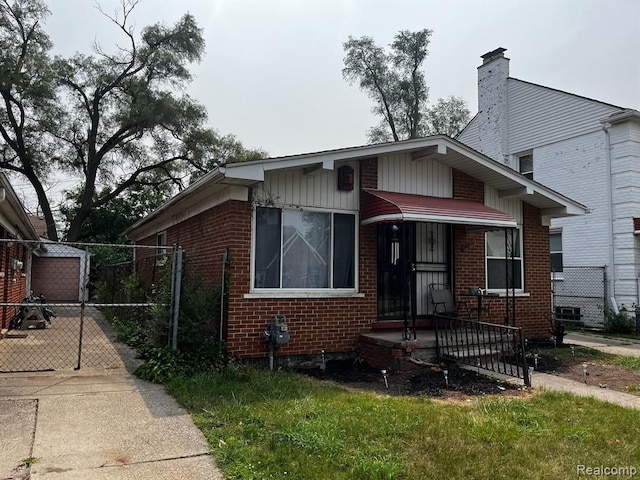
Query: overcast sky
(272, 76)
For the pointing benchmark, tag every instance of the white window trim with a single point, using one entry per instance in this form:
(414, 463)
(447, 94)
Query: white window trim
(518, 156)
(502, 291)
(306, 292)
(161, 248)
(557, 275)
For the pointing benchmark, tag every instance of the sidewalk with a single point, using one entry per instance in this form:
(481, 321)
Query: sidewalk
(93, 424)
(617, 346)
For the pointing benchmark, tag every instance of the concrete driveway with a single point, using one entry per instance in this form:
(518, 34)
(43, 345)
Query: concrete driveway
(99, 425)
(99, 422)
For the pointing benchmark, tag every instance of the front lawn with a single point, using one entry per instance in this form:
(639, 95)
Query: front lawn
(262, 424)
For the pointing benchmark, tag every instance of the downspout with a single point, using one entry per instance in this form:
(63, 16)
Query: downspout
(607, 138)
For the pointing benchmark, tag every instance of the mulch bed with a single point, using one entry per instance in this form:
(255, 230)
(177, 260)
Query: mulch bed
(462, 383)
(427, 380)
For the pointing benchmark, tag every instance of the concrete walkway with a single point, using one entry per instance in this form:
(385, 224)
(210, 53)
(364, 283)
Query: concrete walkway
(609, 344)
(616, 346)
(99, 425)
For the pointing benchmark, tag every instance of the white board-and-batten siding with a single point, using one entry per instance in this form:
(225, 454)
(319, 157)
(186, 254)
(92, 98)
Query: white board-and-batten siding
(512, 206)
(400, 173)
(294, 188)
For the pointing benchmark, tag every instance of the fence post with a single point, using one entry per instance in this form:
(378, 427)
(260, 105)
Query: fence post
(177, 287)
(83, 300)
(525, 370)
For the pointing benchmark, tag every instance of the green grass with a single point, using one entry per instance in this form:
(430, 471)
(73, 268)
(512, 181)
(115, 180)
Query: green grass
(630, 336)
(278, 425)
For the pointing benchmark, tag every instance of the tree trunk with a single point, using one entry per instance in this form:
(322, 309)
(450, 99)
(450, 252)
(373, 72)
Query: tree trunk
(43, 201)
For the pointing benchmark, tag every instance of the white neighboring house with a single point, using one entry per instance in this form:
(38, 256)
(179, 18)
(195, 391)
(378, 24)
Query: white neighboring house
(583, 148)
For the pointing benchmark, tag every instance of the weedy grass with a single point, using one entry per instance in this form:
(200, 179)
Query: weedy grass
(262, 424)
(591, 354)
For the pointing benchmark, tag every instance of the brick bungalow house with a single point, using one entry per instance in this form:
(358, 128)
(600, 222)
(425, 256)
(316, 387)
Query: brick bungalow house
(345, 241)
(15, 256)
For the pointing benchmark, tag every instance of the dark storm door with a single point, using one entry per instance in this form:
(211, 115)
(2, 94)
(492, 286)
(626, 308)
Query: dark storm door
(396, 281)
(411, 256)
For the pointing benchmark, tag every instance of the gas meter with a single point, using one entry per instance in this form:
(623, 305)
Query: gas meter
(277, 332)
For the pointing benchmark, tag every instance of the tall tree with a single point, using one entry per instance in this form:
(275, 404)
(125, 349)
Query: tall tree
(118, 120)
(447, 116)
(220, 149)
(396, 83)
(28, 104)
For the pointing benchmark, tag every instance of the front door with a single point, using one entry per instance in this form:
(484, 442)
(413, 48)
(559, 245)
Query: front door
(411, 256)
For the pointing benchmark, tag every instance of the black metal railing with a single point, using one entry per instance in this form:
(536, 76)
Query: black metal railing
(488, 346)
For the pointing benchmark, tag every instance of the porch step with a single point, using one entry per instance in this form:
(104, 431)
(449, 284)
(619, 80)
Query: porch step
(388, 350)
(472, 351)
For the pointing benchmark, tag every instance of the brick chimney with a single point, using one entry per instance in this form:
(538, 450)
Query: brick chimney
(492, 106)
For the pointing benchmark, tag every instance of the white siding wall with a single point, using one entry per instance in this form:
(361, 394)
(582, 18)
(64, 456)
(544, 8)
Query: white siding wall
(577, 168)
(625, 166)
(294, 188)
(470, 136)
(540, 116)
(399, 173)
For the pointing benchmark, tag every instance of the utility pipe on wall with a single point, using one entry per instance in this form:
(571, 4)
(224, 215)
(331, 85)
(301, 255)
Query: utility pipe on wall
(612, 258)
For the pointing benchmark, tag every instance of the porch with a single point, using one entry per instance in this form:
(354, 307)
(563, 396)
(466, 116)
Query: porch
(387, 349)
(487, 346)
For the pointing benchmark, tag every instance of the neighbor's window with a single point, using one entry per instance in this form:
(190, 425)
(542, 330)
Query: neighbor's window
(161, 250)
(555, 248)
(301, 250)
(504, 258)
(525, 165)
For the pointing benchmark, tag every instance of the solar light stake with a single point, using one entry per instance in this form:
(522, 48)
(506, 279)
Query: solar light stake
(446, 377)
(531, 375)
(386, 382)
(323, 364)
(584, 372)
(573, 351)
(535, 360)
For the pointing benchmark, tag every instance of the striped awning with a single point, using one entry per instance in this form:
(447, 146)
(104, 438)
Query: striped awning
(378, 206)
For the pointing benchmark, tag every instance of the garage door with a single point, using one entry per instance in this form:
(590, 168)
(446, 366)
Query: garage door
(58, 279)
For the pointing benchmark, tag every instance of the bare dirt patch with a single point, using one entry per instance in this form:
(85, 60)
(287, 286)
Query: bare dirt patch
(599, 371)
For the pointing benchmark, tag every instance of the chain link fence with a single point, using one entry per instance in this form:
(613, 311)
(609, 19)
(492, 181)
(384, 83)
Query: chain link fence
(579, 295)
(72, 306)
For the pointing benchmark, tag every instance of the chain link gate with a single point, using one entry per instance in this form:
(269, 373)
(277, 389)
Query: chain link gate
(56, 301)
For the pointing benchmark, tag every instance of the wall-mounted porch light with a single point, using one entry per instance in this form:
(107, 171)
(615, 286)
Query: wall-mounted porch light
(345, 178)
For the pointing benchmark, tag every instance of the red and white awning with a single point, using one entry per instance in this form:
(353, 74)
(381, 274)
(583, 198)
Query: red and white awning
(378, 206)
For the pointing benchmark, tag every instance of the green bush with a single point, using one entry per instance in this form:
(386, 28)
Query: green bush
(148, 329)
(620, 322)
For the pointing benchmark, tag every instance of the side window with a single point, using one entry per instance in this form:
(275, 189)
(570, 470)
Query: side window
(555, 249)
(525, 165)
(504, 260)
(161, 248)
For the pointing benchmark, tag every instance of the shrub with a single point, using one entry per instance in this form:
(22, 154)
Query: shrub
(148, 329)
(620, 322)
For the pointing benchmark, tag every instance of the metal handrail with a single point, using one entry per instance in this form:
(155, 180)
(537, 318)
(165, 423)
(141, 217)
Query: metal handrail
(489, 346)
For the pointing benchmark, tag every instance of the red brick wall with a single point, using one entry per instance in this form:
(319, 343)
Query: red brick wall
(469, 263)
(13, 284)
